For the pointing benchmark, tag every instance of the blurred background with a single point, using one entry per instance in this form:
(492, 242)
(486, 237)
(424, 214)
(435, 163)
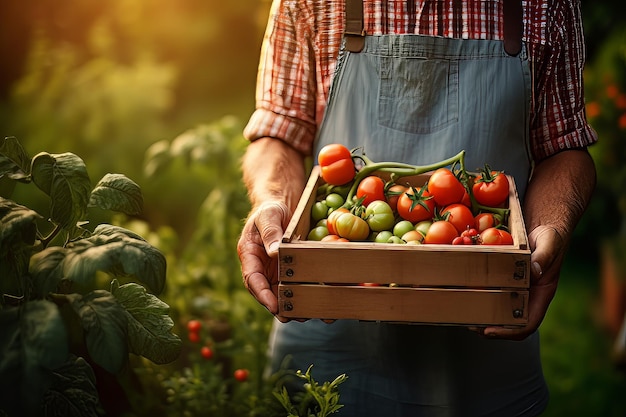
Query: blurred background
(160, 91)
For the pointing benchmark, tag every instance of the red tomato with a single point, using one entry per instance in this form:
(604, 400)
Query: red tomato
(332, 218)
(334, 238)
(194, 337)
(371, 188)
(241, 375)
(445, 187)
(460, 216)
(416, 204)
(352, 227)
(337, 167)
(491, 188)
(484, 221)
(206, 352)
(495, 236)
(442, 232)
(194, 326)
(393, 193)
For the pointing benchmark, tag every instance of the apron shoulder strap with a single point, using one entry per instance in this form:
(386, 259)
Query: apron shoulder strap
(513, 26)
(355, 29)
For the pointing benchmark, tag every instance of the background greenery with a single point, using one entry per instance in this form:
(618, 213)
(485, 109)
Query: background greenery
(160, 91)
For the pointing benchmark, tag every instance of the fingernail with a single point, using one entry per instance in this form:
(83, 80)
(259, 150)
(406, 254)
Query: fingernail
(274, 247)
(537, 268)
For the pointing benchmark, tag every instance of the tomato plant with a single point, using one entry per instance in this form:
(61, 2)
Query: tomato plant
(337, 167)
(416, 204)
(442, 232)
(371, 188)
(491, 188)
(445, 187)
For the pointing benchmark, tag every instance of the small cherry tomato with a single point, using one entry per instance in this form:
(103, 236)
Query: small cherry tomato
(194, 337)
(206, 352)
(194, 325)
(241, 375)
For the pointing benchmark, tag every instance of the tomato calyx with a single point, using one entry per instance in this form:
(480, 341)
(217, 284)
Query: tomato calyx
(417, 197)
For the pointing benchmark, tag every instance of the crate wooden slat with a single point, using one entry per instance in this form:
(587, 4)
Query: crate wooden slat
(415, 305)
(476, 276)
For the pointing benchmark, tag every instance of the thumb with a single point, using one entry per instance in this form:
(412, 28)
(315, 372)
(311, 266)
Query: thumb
(546, 245)
(271, 220)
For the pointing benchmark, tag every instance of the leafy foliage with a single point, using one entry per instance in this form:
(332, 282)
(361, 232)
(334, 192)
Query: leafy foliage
(57, 320)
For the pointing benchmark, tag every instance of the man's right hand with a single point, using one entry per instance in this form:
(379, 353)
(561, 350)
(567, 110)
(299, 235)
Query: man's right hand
(258, 251)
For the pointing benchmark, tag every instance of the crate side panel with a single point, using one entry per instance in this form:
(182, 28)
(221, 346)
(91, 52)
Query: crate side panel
(386, 264)
(410, 305)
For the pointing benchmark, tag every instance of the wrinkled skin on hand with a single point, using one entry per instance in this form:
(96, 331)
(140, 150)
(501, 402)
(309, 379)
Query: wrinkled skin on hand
(258, 251)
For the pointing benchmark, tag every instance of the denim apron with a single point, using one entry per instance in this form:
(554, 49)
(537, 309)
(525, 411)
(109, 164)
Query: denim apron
(420, 99)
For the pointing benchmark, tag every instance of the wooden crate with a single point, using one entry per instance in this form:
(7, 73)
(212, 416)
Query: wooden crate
(435, 284)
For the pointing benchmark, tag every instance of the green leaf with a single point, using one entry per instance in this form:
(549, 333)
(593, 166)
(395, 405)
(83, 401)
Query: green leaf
(73, 392)
(33, 341)
(118, 193)
(149, 325)
(14, 162)
(64, 178)
(109, 249)
(104, 322)
(46, 270)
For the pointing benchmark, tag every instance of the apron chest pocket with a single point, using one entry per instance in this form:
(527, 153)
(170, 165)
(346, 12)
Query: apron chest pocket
(418, 95)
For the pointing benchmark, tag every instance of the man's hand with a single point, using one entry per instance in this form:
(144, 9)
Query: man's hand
(547, 248)
(258, 251)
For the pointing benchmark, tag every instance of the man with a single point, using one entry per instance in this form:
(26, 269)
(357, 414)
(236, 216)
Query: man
(427, 80)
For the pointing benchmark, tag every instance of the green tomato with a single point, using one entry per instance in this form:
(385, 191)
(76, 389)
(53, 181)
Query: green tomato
(379, 216)
(323, 222)
(352, 227)
(319, 211)
(317, 233)
(423, 226)
(396, 240)
(334, 200)
(383, 237)
(402, 227)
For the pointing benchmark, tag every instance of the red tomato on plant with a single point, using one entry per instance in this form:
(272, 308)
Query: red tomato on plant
(445, 187)
(206, 352)
(495, 236)
(337, 167)
(460, 216)
(441, 232)
(416, 204)
(241, 375)
(194, 325)
(371, 188)
(491, 188)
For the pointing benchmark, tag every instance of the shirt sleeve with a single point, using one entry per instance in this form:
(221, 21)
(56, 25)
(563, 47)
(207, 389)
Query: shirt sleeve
(558, 120)
(286, 87)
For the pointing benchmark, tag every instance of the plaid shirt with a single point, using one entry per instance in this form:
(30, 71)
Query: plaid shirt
(303, 38)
